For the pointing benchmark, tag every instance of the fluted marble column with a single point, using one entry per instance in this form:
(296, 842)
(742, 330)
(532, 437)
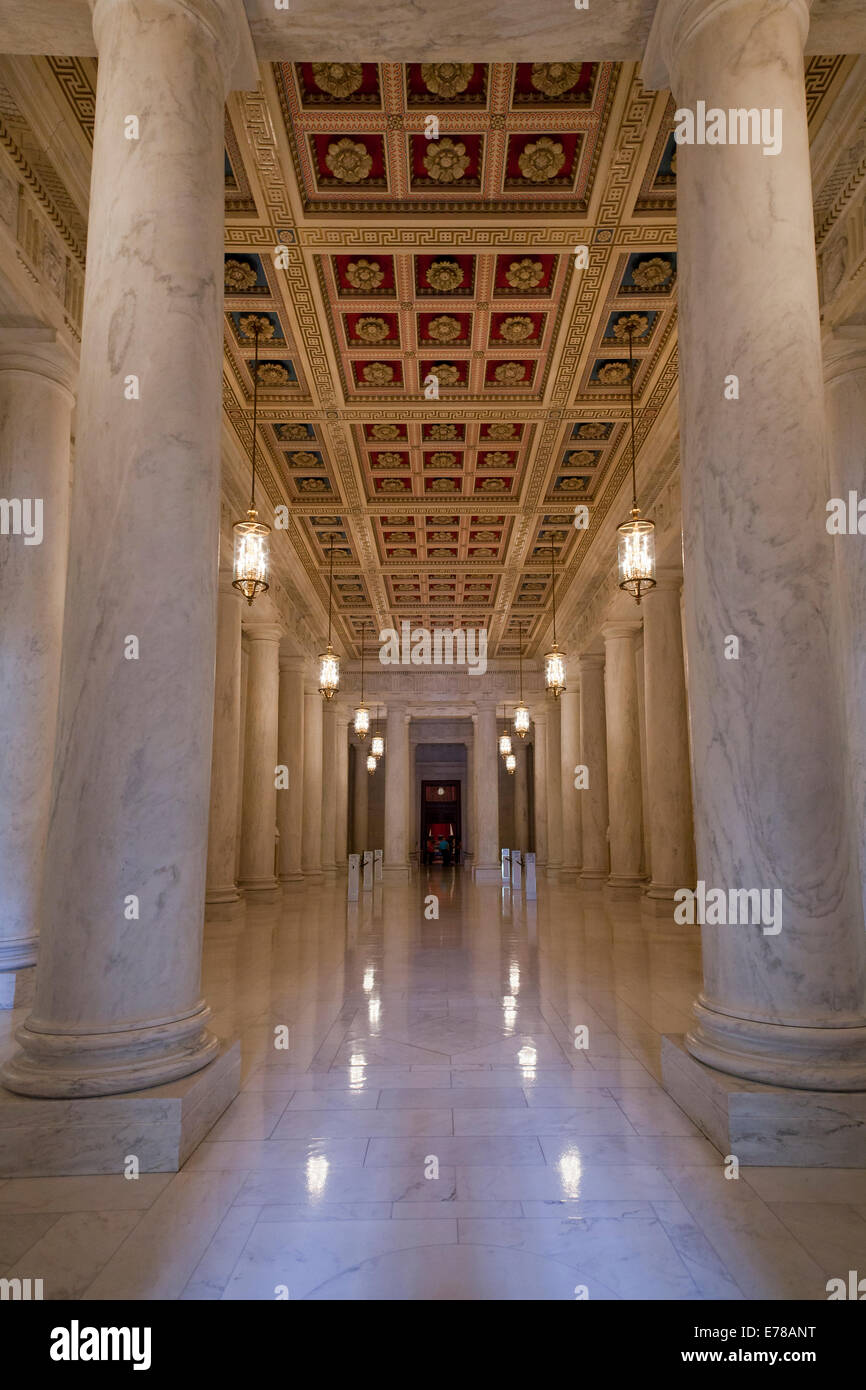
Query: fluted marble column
(771, 809)
(329, 788)
(359, 802)
(258, 825)
(554, 789)
(342, 791)
(486, 864)
(311, 838)
(539, 759)
(222, 889)
(623, 756)
(37, 374)
(593, 756)
(397, 783)
(669, 794)
(845, 395)
(118, 1004)
(569, 710)
(290, 754)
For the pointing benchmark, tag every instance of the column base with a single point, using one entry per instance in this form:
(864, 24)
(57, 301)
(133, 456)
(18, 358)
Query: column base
(766, 1126)
(313, 875)
(551, 873)
(292, 878)
(658, 906)
(487, 873)
(623, 887)
(224, 912)
(216, 897)
(396, 873)
(592, 879)
(779, 1054)
(260, 890)
(18, 988)
(161, 1126)
(73, 1065)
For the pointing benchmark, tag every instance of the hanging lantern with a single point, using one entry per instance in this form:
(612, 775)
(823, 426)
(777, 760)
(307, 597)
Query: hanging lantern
(361, 723)
(510, 763)
(504, 744)
(377, 747)
(521, 714)
(250, 564)
(636, 547)
(554, 662)
(372, 763)
(329, 662)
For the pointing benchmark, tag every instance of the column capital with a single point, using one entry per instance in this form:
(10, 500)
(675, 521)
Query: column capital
(590, 661)
(40, 351)
(677, 22)
(292, 663)
(263, 632)
(224, 20)
(613, 631)
(669, 577)
(844, 351)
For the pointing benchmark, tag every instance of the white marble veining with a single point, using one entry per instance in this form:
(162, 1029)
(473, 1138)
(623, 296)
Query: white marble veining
(36, 379)
(771, 800)
(132, 766)
(224, 788)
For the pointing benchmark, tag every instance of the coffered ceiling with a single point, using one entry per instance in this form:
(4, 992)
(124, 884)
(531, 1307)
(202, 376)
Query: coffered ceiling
(388, 224)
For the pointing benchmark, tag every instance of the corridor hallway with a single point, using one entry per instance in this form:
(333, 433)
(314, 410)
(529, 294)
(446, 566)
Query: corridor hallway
(415, 1041)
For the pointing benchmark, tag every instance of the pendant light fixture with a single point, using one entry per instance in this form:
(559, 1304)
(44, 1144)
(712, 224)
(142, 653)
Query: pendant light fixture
(377, 747)
(505, 738)
(329, 662)
(554, 662)
(361, 723)
(511, 763)
(372, 763)
(636, 549)
(521, 714)
(251, 535)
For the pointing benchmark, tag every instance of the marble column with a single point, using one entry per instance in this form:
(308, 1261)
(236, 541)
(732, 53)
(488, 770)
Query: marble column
(127, 843)
(539, 749)
(623, 756)
(397, 782)
(329, 788)
(593, 756)
(669, 794)
(521, 795)
(311, 837)
(569, 743)
(845, 395)
(290, 754)
(258, 827)
(554, 789)
(222, 889)
(486, 864)
(37, 374)
(342, 791)
(359, 801)
(784, 1006)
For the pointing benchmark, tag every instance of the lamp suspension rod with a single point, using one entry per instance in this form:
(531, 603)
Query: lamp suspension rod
(631, 405)
(256, 331)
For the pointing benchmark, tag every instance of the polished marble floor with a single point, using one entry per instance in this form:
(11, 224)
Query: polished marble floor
(431, 1131)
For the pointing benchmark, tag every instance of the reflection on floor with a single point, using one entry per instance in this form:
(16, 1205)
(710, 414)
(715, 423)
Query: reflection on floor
(432, 1132)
